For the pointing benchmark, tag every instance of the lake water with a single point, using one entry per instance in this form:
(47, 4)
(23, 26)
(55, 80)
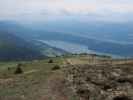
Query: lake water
(73, 47)
(67, 46)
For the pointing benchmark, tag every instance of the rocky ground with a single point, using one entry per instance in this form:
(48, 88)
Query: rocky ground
(102, 82)
(75, 77)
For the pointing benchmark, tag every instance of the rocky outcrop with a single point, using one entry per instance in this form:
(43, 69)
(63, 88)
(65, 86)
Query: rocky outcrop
(101, 82)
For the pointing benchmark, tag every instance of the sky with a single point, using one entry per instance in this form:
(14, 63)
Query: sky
(103, 10)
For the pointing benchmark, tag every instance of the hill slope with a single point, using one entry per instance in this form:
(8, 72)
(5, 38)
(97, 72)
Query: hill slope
(13, 47)
(77, 77)
(98, 45)
(20, 40)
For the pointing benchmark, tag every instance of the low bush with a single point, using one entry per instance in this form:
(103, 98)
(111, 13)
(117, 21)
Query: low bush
(50, 61)
(56, 67)
(18, 69)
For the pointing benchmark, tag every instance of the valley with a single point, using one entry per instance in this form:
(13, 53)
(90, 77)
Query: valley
(66, 50)
(69, 47)
(14, 47)
(78, 41)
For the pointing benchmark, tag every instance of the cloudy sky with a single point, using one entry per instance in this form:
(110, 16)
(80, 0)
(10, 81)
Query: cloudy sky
(110, 10)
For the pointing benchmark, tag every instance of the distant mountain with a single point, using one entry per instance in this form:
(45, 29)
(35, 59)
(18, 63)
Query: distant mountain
(15, 48)
(16, 29)
(34, 33)
(100, 46)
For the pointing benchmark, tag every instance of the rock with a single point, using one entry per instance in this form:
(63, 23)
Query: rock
(102, 82)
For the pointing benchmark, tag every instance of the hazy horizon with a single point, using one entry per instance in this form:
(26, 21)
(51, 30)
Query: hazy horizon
(107, 24)
(83, 10)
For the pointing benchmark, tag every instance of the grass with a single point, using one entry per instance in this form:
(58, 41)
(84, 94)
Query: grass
(33, 71)
(30, 85)
(38, 82)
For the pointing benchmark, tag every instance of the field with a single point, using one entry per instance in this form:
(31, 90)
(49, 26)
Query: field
(36, 83)
(46, 80)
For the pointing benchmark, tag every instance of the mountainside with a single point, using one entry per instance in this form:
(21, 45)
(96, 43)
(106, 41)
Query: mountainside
(108, 80)
(96, 45)
(93, 43)
(15, 48)
(69, 77)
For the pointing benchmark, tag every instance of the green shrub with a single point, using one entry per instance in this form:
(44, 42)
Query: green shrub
(50, 61)
(18, 69)
(56, 67)
(8, 68)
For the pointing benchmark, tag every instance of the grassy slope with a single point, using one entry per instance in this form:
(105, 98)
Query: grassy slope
(38, 81)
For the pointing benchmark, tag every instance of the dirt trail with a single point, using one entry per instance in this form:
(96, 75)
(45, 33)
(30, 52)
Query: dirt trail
(8, 80)
(31, 71)
(56, 89)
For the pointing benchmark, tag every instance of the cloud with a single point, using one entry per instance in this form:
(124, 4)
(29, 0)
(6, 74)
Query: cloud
(104, 9)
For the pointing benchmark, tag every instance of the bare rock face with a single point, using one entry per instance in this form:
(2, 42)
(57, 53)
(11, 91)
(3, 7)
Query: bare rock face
(101, 82)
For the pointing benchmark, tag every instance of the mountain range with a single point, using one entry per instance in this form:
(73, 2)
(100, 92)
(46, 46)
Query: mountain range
(15, 47)
(27, 40)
